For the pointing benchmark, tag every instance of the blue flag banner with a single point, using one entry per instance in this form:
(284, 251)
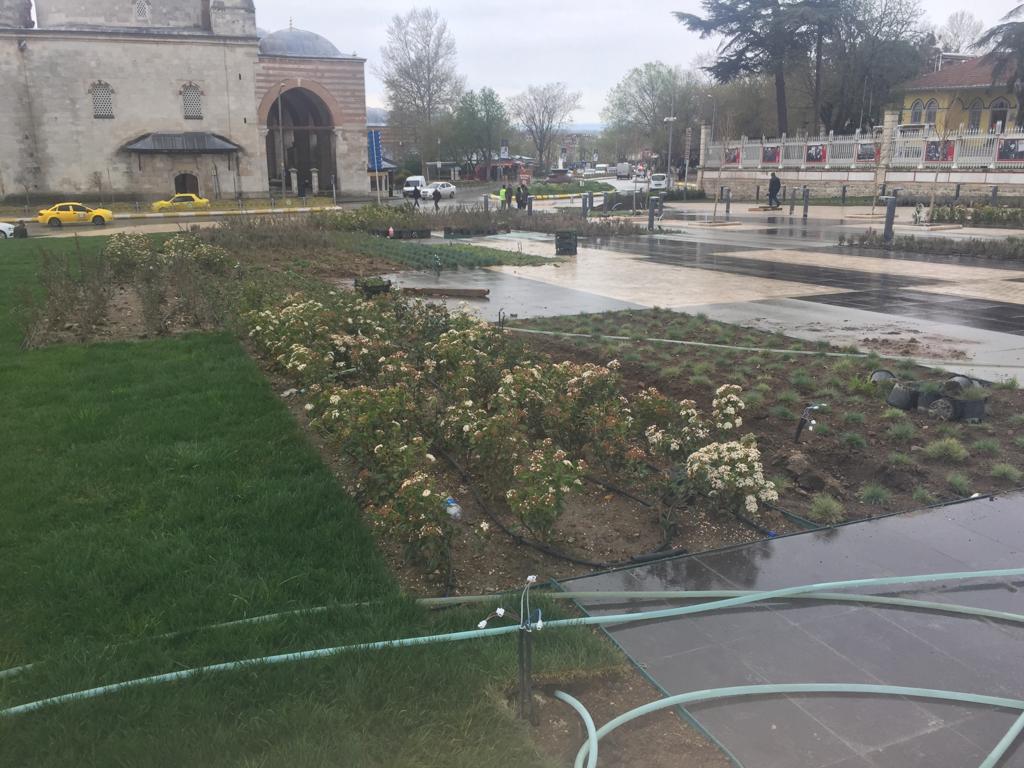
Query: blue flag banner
(375, 159)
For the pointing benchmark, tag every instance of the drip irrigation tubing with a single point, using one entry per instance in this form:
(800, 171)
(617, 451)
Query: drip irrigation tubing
(769, 350)
(660, 595)
(496, 631)
(661, 551)
(814, 688)
(588, 724)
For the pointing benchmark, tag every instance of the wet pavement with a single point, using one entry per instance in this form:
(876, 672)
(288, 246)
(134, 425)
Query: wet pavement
(821, 642)
(966, 314)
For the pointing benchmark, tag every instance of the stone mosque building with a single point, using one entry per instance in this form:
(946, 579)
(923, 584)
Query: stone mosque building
(152, 97)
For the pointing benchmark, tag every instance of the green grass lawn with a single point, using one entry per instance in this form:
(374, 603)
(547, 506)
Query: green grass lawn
(161, 485)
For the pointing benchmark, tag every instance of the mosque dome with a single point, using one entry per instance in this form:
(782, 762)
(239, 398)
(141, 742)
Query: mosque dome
(300, 43)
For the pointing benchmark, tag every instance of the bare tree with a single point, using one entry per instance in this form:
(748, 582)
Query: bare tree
(543, 111)
(418, 69)
(960, 32)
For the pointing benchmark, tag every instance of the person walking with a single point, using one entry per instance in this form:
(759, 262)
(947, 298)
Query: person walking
(519, 197)
(416, 195)
(437, 199)
(774, 185)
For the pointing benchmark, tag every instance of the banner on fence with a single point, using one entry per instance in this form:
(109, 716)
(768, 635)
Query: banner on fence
(771, 154)
(816, 153)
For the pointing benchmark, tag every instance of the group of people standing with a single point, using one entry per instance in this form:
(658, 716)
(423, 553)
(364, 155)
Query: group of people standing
(507, 195)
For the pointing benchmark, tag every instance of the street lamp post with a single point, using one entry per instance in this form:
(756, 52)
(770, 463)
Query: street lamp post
(714, 114)
(671, 120)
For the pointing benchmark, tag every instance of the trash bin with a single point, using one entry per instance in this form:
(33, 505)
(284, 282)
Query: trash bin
(565, 243)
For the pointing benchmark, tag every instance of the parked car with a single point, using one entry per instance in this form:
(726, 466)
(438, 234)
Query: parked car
(6, 230)
(74, 213)
(447, 189)
(659, 181)
(623, 171)
(559, 176)
(411, 183)
(182, 202)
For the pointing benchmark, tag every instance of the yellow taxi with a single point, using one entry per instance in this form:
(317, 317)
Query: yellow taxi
(181, 203)
(74, 213)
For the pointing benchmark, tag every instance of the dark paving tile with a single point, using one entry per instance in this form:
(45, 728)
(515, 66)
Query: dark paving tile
(974, 313)
(772, 733)
(943, 746)
(986, 727)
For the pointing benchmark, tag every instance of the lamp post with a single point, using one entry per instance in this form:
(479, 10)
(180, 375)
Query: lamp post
(280, 133)
(671, 120)
(714, 113)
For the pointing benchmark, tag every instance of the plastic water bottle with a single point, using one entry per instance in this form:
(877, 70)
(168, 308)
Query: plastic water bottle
(451, 506)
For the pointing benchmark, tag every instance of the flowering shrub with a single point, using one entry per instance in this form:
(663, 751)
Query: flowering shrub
(190, 248)
(125, 251)
(726, 408)
(417, 516)
(541, 484)
(731, 474)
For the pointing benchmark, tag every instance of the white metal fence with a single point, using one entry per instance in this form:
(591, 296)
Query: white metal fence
(908, 148)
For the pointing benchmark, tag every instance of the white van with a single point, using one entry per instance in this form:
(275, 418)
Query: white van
(623, 171)
(659, 181)
(411, 183)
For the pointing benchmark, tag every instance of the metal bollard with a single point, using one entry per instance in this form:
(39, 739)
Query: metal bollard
(721, 192)
(529, 206)
(792, 201)
(583, 205)
(881, 192)
(807, 200)
(890, 218)
(782, 195)
(757, 194)
(995, 195)
(728, 200)
(487, 203)
(956, 192)
(590, 201)
(650, 215)
(843, 195)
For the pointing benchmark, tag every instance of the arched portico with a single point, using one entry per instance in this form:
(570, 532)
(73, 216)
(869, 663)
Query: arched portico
(300, 117)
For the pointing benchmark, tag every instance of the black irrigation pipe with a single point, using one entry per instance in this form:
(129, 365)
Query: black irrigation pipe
(615, 489)
(658, 554)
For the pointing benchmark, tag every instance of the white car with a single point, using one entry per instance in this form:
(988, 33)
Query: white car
(447, 190)
(6, 230)
(659, 181)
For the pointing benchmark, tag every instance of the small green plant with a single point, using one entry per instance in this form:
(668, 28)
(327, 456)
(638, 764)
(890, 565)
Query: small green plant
(901, 432)
(894, 414)
(922, 495)
(986, 447)
(781, 412)
(781, 483)
(1007, 473)
(801, 380)
(853, 440)
(788, 397)
(1010, 383)
(874, 494)
(702, 381)
(900, 460)
(960, 483)
(948, 450)
(853, 417)
(1019, 441)
(825, 509)
(823, 430)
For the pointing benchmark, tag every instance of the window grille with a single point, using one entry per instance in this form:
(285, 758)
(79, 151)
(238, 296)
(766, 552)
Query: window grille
(102, 101)
(192, 101)
(143, 10)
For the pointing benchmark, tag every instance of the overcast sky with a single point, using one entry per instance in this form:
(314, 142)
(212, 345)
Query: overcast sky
(510, 45)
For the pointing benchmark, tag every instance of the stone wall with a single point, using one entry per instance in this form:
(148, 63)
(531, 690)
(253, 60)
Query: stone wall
(340, 83)
(52, 141)
(16, 13)
(93, 14)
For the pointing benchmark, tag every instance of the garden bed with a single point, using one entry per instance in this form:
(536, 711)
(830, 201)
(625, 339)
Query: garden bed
(868, 457)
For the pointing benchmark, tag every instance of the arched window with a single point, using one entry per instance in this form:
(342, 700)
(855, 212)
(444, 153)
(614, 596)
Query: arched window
(143, 11)
(998, 112)
(915, 111)
(192, 102)
(931, 109)
(974, 115)
(102, 100)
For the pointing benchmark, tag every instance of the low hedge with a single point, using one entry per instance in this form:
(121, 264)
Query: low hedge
(1010, 248)
(980, 215)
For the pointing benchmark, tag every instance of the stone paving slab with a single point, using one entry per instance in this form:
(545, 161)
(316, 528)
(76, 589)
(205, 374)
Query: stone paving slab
(823, 642)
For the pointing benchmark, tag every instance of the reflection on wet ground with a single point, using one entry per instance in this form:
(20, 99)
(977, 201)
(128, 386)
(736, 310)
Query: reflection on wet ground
(821, 642)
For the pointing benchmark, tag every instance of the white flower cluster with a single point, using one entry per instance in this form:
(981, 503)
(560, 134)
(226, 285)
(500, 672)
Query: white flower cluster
(732, 473)
(726, 407)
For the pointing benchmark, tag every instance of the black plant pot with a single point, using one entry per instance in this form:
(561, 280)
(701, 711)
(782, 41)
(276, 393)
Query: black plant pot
(903, 397)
